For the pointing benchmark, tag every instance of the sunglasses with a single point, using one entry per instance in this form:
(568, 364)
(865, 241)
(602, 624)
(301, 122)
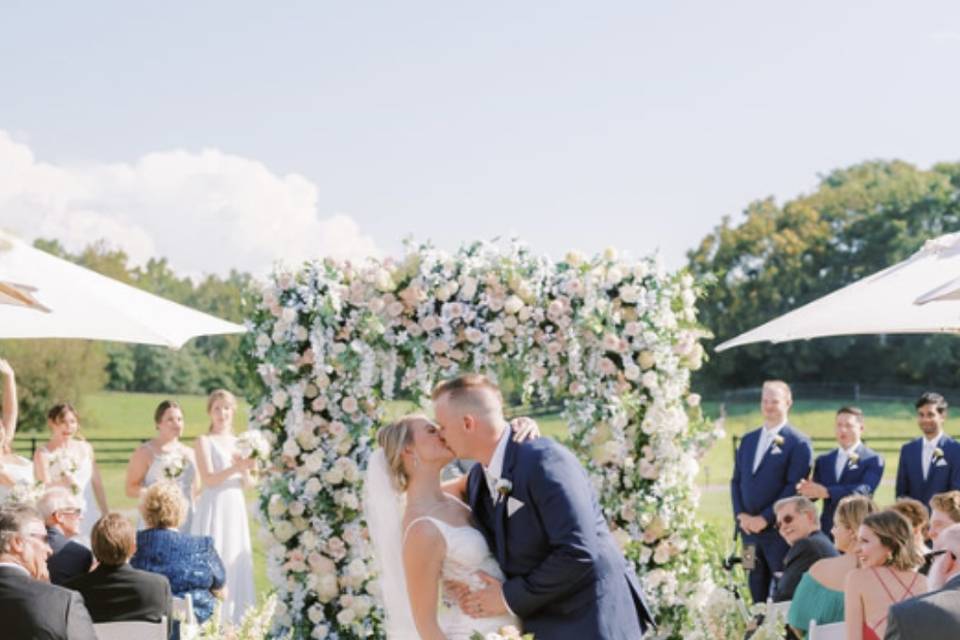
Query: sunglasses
(785, 520)
(939, 552)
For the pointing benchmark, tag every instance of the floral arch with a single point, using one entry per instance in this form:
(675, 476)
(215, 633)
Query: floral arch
(614, 341)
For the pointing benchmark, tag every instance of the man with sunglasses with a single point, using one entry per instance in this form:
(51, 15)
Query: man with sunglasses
(31, 607)
(62, 513)
(799, 527)
(934, 615)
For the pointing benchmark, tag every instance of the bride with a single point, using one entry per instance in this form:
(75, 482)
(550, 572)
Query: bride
(423, 537)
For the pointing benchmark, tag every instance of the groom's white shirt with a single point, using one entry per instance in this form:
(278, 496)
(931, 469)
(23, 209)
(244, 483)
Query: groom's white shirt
(492, 474)
(495, 470)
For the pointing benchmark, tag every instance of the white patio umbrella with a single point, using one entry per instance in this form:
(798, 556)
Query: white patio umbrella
(42, 296)
(890, 301)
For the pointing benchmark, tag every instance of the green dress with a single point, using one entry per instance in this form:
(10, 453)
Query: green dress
(813, 601)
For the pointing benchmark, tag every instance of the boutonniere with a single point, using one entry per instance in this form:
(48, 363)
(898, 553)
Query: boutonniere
(938, 457)
(853, 460)
(503, 488)
(777, 443)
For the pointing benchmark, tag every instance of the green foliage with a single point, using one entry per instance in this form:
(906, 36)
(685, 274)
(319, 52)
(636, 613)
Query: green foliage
(51, 371)
(859, 220)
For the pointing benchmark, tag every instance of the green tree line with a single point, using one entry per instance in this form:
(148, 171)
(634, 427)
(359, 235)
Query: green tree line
(776, 258)
(50, 371)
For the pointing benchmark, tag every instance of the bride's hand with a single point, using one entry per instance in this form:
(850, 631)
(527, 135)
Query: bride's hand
(487, 602)
(524, 429)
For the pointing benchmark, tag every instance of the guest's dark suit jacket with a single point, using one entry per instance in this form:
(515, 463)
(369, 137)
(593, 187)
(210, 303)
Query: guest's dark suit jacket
(931, 616)
(944, 473)
(34, 610)
(69, 560)
(799, 559)
(115, 594)
(566, 577)
(862, 477)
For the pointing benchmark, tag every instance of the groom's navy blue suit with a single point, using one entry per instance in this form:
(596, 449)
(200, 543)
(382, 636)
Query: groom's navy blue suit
(566, 578)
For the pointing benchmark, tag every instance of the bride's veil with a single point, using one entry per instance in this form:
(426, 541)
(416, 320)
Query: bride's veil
(383, 511)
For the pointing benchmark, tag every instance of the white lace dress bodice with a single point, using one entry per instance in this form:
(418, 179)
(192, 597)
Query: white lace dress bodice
(467, 554)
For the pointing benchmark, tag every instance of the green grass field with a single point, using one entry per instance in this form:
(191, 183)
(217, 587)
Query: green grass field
(130, 415)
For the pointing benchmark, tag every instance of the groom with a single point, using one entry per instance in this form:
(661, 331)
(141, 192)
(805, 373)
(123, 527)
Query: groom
(535, 505)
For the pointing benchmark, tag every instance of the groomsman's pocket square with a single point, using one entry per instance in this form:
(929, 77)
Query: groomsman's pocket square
(512, 506)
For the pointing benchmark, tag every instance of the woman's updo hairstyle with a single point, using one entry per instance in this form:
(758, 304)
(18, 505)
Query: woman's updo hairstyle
(162, 409)
(896, 534)
(851, 510)
(393, 438)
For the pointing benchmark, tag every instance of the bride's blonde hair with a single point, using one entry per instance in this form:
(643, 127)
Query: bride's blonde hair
(393, 438)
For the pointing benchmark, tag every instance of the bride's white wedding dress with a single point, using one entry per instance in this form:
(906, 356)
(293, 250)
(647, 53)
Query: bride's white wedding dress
(467, 554)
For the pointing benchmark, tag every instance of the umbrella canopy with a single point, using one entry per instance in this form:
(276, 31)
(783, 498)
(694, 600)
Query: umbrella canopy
(890, 301)
(42, 296)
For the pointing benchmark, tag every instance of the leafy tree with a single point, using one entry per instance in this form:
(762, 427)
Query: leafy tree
(859, 220)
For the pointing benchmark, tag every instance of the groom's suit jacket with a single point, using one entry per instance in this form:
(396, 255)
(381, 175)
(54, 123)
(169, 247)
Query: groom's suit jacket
(566, 577)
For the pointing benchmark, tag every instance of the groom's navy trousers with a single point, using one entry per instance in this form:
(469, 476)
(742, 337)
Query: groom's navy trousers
(566, 577)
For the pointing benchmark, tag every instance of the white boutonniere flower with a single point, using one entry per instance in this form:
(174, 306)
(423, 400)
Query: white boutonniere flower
(503, 488)
(854, 459)
(938, 458)
(777, 443)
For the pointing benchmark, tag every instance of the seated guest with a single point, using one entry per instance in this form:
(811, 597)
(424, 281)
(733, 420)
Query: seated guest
(61, 514)
(819, 596)
(944, 512)
(31, 607)
(916, 514)
(189, 562)
(115, 591)
(934, 615)
(851, 468)
(799, 527)
(889, 558)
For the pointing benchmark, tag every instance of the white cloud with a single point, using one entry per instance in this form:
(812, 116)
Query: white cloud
(206, 212)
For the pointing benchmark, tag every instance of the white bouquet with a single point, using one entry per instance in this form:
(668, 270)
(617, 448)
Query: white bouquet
(173, 464)
(23, 493)
(253, 444)
(63, 465)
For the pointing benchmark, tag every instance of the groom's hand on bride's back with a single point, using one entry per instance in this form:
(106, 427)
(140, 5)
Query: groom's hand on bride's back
(525, 429)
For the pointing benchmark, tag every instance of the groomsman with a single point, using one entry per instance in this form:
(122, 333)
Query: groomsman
(931, 463)
(851, 468)
(770, 462)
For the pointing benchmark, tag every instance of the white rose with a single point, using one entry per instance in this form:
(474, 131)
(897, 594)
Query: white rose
(312, 487)
(614, 276)
(513, 304)
(631, 371)
(334, 476)
(646, 359)
(469, 289)
(263, 342)
(288, 315)
(296, 508)
(394, 309)
(574, 258)
(308, 540)
(630, 293)
(313, 462)
(474, 336)
(315, 613)
(276, 507)
(327, 588)
(649, 379)
(283, 530)
(280, 398)
(290, 448)
(346, 616)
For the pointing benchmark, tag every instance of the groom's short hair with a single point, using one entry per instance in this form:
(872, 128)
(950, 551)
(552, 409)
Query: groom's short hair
(464, 386)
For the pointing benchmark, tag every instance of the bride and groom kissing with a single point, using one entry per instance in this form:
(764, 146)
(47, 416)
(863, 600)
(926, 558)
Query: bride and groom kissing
(520, 540)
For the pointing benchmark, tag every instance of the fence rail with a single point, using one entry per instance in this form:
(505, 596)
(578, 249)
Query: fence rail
(106, 450)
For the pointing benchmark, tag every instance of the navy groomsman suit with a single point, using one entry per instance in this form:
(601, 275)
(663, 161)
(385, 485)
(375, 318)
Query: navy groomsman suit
(861, 476)
(943, 475)
(755, 492)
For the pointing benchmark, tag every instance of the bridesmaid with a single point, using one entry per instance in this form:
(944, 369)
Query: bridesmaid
(222, 510)
(66, 460)
(14, 469)
(165, 457)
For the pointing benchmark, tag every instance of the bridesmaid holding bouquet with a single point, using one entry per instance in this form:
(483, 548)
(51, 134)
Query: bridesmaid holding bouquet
(165, 457)
(66, 460)
(222, 509)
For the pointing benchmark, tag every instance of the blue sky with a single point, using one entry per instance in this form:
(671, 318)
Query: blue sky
(299, 128)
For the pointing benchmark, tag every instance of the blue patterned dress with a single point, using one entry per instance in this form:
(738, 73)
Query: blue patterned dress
(189, 562)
